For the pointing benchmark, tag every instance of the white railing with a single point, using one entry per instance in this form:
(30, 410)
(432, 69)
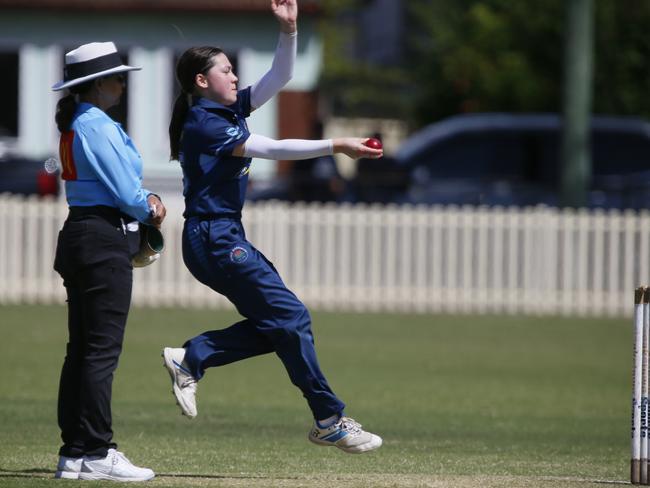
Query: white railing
(358, 258)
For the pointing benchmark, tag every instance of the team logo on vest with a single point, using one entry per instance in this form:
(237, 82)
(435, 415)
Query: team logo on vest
(238, 254)
(233, 131)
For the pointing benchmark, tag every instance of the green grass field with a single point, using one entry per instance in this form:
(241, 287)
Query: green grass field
(460, 402)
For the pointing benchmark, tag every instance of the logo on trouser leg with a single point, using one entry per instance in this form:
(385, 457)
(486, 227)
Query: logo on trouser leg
(238, 254)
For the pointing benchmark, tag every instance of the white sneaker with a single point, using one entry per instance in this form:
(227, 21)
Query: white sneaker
(114, 467)
(346, 434)
(183, 383)
(68, 468)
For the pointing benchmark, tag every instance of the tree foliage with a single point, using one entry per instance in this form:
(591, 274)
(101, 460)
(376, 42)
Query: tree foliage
(622, 77)
(493, 55)
(490, 55)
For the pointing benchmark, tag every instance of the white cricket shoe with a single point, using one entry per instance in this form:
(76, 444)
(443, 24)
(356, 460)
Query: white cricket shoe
(68, 468)
(183, 383)
(114, 467)
(346, 434)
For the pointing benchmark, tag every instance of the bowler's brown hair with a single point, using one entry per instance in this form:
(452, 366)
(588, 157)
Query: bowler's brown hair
(192, 62)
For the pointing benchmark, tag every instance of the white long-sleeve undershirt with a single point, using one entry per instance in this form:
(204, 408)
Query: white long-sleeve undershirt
(280, 73)
(257, 146)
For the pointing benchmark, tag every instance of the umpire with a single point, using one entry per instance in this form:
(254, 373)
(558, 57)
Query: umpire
(103, 182)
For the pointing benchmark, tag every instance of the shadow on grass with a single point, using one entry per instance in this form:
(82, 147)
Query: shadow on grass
(43, 473)
(26, 473)
(223, 476)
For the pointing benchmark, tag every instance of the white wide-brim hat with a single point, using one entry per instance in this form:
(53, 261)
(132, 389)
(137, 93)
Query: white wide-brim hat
(91, 61)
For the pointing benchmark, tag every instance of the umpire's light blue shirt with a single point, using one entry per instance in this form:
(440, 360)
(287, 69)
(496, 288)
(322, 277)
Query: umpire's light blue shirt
(105, 167)
(214, 180)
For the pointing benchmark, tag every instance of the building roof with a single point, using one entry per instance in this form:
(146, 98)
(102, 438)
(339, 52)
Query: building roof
(306, 6)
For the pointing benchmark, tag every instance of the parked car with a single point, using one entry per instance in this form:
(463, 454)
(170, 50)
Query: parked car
(515, 159)
(27, 176)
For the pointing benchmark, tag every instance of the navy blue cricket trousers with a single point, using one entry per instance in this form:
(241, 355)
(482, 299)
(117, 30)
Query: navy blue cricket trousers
(218, 255)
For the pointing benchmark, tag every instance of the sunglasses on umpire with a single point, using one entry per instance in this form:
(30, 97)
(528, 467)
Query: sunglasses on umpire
(118, 77)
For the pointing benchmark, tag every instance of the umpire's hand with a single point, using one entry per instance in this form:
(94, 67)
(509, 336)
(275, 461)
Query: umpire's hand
(158, 210)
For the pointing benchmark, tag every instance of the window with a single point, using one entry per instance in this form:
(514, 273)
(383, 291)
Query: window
(9, 90)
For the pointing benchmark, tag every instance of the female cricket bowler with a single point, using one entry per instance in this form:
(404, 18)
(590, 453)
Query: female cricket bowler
(210, 138)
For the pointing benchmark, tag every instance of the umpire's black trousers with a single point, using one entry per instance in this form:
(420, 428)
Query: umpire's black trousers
(94, 258)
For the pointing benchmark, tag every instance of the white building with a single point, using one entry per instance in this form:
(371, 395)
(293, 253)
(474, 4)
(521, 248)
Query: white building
(35, 34)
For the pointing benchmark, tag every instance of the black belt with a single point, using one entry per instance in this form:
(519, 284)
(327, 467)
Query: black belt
(112, 214)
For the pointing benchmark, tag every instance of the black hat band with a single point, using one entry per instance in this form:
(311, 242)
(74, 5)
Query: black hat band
(92, 66)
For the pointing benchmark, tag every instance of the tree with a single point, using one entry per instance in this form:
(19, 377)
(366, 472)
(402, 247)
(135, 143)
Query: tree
(622, 77)
(487, 55)
(478, 56)
(498, 55)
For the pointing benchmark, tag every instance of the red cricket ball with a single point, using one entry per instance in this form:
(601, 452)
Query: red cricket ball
(373, 143)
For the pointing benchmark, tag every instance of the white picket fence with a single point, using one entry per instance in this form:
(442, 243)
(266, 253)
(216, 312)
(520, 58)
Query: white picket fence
(538, 261)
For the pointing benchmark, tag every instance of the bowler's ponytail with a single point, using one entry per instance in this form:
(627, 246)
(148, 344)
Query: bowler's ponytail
(181, 107)
(192, 62)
